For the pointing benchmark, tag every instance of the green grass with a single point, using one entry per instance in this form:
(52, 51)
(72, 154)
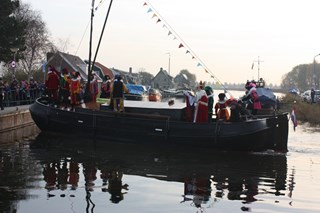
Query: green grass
(305, 112)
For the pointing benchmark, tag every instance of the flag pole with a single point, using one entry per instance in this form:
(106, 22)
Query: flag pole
(87, 96)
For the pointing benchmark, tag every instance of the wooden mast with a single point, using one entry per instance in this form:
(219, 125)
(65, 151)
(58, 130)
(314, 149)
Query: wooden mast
(91, 64)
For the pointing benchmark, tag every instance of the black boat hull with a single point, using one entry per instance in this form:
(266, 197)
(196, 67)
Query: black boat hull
(253, 135)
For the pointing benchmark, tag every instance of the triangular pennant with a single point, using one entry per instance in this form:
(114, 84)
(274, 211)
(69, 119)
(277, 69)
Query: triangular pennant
(206, 71)
(193, 57)
(198, 65)
(174, 38)
(150, 10)
(181, 45)
(169, 33)
(145, 4)
(158, 20)
(187, 51)
(154, 15)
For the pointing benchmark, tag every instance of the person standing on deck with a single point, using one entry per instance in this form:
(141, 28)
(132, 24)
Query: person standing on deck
(190, 101)
(75, 89)
(253, 98)
(65, 87)
(221, 110)
(106, 87)
(117, 91)
(93, 87)
(201, 110)
(52, 85)
(210, 95)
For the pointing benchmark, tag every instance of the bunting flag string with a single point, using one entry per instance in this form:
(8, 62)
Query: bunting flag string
(100, 2)
(182, 44)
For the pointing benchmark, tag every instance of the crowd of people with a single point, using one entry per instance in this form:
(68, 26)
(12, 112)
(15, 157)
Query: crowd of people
(200, 105)
(68, 90)
(22, 92)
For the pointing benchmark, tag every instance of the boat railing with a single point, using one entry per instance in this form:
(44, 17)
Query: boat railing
(121, 114)
(21, 96)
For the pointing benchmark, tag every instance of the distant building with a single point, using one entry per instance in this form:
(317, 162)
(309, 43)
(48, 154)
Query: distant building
(73, 63)
(128, 76)
(102, 70)
(162, 80)
(182, 82)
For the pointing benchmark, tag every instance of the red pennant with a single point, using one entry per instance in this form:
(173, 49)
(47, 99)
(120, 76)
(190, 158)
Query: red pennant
(181, 45)
(145, 4)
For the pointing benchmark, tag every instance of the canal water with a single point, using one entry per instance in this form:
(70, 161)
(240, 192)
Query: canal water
(51, 173)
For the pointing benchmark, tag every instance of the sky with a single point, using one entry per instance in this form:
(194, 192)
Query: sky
(221, 39)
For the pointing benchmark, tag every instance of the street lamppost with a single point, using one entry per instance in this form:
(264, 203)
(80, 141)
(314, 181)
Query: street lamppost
(314, 70)
(13, 63)
(169, 62)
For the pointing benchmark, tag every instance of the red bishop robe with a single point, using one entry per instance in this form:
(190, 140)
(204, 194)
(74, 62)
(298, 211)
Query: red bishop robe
(201, 114)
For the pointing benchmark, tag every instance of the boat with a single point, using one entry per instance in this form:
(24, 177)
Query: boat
(162, 124)
(266, 96)
(136, 92)
(154, 94)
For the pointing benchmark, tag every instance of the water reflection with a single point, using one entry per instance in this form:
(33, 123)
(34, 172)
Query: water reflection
(70, 163)
(18, 134)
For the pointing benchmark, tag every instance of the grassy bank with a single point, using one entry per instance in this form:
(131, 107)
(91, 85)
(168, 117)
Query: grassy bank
(305, 112)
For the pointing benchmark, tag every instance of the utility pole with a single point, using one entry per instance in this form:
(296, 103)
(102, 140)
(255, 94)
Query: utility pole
(314, 72)
(169, 62)
(258, 61)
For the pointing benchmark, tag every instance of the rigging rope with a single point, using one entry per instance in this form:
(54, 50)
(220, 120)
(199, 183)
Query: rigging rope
(171, 30)
(85, 31)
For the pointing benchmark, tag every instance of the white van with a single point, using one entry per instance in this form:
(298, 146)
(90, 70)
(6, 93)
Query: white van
(306, 96)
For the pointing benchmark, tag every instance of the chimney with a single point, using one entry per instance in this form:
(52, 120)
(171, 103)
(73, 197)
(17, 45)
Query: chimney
(130, 70)
(49, 55)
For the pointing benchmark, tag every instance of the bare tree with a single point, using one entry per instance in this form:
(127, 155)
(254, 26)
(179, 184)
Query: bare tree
(37, 42)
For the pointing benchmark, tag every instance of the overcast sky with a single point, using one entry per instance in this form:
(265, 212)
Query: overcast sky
(223, 38)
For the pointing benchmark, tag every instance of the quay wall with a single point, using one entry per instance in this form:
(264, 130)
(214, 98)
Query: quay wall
(16, 124)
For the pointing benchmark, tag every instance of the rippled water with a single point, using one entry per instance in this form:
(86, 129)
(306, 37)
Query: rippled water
(51, 173)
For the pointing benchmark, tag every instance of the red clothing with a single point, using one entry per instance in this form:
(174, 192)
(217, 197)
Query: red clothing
(202, 110)
(53, 81)
(94, 89)
(221, 110)
(52, 85)
(189, 113)
(74, 90)
(255, 99)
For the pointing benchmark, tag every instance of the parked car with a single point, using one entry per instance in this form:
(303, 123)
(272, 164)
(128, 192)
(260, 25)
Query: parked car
(154, 95)
(306, 96)
(136, 92)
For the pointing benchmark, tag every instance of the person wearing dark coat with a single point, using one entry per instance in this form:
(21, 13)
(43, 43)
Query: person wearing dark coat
(117, 92)
(312, 95)
(237, 111)
(52, 85)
